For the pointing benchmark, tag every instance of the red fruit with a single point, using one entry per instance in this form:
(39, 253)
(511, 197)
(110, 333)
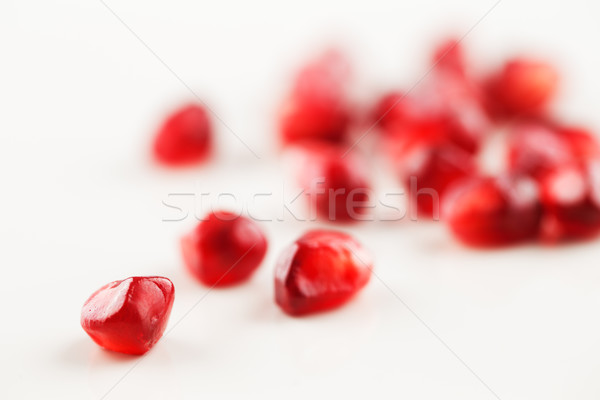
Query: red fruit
(322, 270)
(334, 182)
(571, 200)
(185, 137)
(224, 249)
(395, 109)
(536, 149)
(449, 57)
(428, 172)
(129, 316)
(446, 110)
(317, 108)
(522, 88)
(487, 212)
(582, 143)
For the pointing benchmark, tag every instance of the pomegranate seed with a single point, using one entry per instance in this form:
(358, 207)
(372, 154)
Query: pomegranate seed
(320, 271)
(582, 143)
(129, 316)
(535, 149)
(427, 172)
(447, 110)
(184, 138)
(486, 212)
(449, 56)
(334, 182)
(224, 249)
(522, 88)
(317, 108)
(571, 199)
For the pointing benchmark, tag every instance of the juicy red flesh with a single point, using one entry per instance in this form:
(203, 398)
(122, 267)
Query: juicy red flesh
(334, 182)
(317, 108)
(184, 138)
(224, 249)
(488, 212)
(571, 199)
(129, 316)
(320, 271)
(522, 88)
(429, 172)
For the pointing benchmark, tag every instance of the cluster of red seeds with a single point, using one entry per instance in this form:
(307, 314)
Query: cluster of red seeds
(432, 135)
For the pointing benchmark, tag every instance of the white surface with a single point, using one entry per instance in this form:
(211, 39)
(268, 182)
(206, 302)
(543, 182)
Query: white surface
(82, 206)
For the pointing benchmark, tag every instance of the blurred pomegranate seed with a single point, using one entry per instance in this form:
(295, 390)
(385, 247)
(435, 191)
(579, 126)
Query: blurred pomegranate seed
(488, 212)
(427, 172)
(536, 149)
(184, 138)
(446, 108)
(334, 182)
(571, 198)
(129, 316)
(583, 144)
(449, 56)
(392, 109)
(522, 88)
(224, 249)
(317, 108)
(320, 271)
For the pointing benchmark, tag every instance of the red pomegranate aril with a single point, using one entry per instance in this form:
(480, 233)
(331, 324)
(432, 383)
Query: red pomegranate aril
(489, 212)
(224, 249)
(571, 199)
(523, 88)
(396, 109)
(334, 181)
(427, 172)
(129, 316)
(184, 138)
(535, 149)
(445, 110)
(582, 143)
(320, 271)
(449, 57)
(317, 108)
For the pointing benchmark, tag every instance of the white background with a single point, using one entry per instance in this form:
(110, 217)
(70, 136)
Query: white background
(80, 98)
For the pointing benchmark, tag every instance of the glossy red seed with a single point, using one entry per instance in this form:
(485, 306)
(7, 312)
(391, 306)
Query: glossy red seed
(184, 138)
(488, 212)
(129, 316)
(317, 108)
(523, 88)
(427, 172)
(320, 271)
(571, 199)
(224, 249)
(334, 181)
